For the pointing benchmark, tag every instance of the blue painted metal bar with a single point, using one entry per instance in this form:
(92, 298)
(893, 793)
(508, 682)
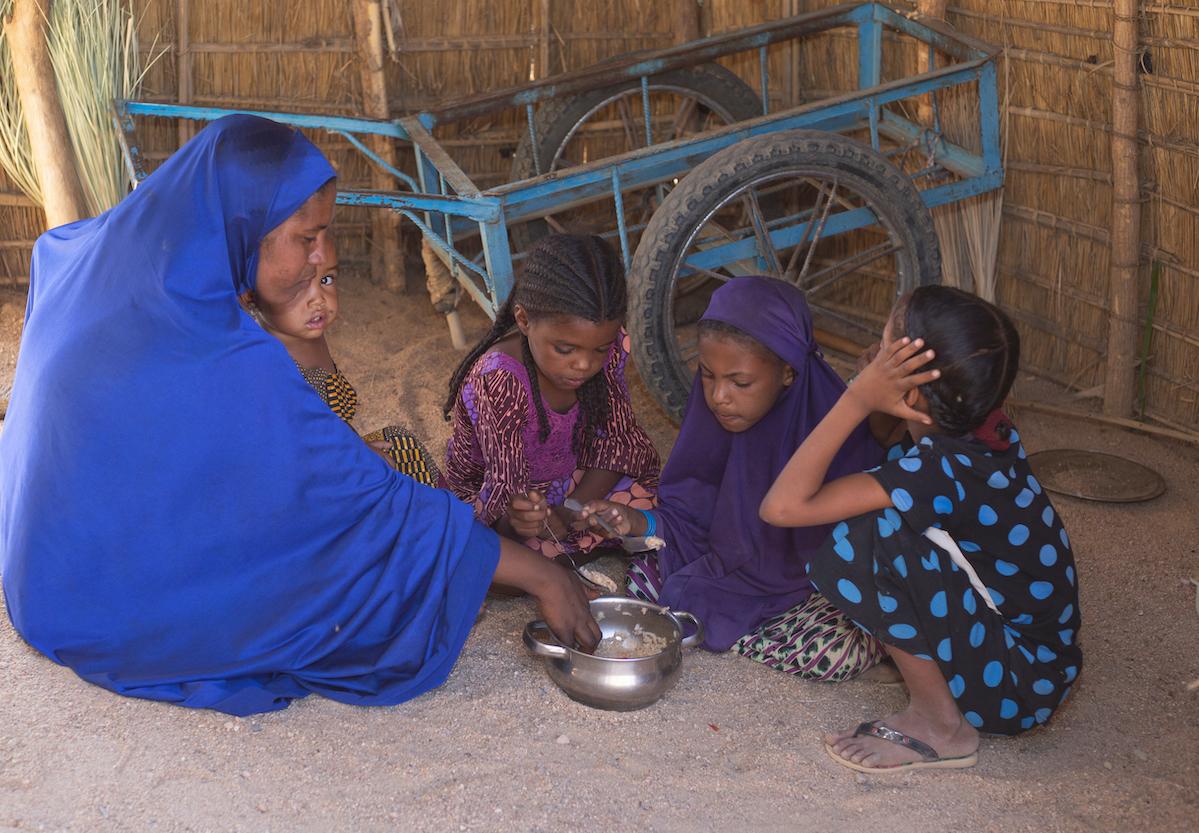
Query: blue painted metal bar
(441, 245)
(962, 189)
(988, 107)
(764, 79)
(620, 226)
(649, 130)
(130, 147)
(653, 63)
(646, 166)
(529, 116)
(498, 255)
(935, 32)
(449, 254)
(377, 159)
(953, 157)
(578, 186)
(870, 53)
(372, 127)
(482, 209)
(447, 224)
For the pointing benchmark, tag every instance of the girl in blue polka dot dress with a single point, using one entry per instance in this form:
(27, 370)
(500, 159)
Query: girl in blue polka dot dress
(950, 552)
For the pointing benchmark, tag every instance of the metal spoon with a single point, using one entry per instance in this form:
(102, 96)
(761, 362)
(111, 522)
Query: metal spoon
(576, 507)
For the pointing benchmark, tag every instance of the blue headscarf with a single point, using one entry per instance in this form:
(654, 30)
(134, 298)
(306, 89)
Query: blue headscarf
(181, 517)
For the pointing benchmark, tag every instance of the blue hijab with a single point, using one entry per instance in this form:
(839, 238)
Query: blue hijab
(181, 517)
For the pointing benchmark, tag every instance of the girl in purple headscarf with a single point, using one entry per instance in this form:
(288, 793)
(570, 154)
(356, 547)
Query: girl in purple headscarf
(762, 386)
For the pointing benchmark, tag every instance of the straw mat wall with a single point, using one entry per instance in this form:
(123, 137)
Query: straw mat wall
(1056, 84)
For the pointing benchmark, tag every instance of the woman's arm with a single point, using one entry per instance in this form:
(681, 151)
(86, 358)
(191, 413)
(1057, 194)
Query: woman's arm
(560, 596)
(800, 497)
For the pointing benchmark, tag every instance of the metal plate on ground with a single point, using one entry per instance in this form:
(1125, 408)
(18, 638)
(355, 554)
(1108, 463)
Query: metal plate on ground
(1093, 475)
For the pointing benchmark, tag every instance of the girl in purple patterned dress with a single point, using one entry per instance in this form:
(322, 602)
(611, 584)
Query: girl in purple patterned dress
(540, 409)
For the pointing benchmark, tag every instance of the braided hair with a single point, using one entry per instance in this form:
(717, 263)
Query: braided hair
(977, 351)
(564, 274)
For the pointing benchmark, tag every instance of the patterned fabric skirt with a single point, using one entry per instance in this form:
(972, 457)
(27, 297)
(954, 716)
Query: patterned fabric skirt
(627, 491)
(406, 454)
(813, 640)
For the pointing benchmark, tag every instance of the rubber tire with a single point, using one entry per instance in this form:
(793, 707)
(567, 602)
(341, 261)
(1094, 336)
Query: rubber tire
(869, 173)
(556, 117)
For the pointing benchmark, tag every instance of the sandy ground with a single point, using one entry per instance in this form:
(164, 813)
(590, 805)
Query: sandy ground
(733, 747)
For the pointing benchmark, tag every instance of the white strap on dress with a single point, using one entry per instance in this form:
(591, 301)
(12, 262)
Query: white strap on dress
(945, 541)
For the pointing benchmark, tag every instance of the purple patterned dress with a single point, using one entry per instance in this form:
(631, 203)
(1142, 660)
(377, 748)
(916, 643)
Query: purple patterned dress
(495, 451)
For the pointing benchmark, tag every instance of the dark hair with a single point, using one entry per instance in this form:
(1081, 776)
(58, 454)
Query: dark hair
(712, 328)
(978, 353)
(564, 274)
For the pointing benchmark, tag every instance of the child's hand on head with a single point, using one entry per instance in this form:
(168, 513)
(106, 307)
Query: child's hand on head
(886, 383)
(527, 513)
(867, 356)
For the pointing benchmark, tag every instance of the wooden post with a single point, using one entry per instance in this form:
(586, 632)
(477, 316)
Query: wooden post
(387, 251)
(794, 93)
(934, 9)
(687, 19)
(63, 198)
(543, 39)
(183, 66)
(1120, 377)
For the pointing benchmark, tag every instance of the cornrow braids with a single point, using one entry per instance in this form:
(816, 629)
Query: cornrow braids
(543, 422)
(977, 351)
(564, 274)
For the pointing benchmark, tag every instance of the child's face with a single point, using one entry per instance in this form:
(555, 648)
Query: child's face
(740, 384)
(568, 350)
(303, 308)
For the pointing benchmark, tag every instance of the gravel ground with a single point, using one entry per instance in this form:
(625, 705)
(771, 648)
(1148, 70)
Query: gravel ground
(734, 746)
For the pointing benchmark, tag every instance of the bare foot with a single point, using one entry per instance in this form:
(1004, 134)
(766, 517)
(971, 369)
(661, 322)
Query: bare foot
(949, 740)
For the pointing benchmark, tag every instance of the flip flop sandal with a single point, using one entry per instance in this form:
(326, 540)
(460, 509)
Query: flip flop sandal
(929, 757)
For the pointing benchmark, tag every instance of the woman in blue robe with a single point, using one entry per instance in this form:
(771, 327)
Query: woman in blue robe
(181, 519)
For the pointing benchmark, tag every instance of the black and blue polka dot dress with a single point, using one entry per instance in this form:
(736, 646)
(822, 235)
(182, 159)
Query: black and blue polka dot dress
(1009, 670)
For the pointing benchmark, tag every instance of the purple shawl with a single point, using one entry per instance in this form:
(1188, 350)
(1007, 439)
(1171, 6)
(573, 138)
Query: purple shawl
(721, 562)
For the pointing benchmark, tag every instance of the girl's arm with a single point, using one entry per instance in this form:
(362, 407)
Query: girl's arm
(624, 519)
(800, 497)
(595, 484)
(886, 429)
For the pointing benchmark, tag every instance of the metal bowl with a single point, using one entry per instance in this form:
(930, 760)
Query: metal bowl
(612, 683)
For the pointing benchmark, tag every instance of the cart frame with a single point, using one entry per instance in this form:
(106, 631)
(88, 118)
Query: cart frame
(447, 207)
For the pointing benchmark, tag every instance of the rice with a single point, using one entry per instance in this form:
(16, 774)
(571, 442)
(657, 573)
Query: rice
(630, 646)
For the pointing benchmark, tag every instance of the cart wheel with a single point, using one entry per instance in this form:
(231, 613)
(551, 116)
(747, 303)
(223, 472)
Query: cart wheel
(607, 122)
(854, 231)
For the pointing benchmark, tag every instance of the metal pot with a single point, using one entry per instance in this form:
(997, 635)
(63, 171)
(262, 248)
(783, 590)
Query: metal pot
(611, 683)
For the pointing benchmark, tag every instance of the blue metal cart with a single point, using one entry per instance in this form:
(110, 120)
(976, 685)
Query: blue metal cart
(688, 171)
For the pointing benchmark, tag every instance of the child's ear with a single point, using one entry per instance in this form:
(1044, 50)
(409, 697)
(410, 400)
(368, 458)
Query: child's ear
(788, 375)
(522, 319)
(916, 400)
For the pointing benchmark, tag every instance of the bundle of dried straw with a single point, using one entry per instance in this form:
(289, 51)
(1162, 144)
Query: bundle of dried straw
(93, 47)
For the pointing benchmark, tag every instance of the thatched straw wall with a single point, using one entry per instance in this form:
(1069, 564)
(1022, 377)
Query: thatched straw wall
(1053, 258)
